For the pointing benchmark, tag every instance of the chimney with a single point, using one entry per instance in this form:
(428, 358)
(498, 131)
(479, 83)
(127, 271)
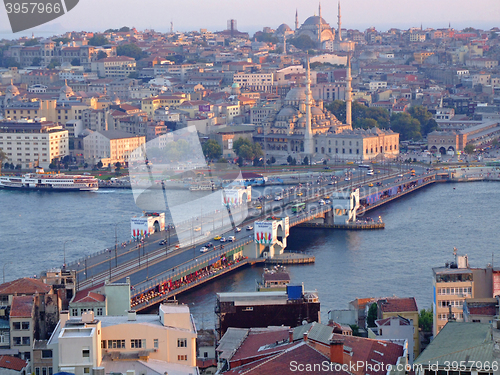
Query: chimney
(88, 317)
(290, 335)
(337, 351)
(131, 315)
(64, 317)
(305, 336)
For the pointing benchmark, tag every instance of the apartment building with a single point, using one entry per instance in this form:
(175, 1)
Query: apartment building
(110, 146)
(455, 282)
(22, 325)
(30, 142)
(255, 81)
(86, 344)
(114, 67)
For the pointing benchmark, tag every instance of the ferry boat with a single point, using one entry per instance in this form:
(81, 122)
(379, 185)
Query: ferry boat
(46, 181)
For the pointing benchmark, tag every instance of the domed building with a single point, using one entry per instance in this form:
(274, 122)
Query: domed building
(283, 29)
(317, 29)
(66, 92)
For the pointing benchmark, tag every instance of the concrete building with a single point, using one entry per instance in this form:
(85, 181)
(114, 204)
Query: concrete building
(114, 67)
(22, 325)
(110, 146)
(481, 310)
(455, 282)
(398, 330)
(255, 81)
(30, 142)
(165, 342)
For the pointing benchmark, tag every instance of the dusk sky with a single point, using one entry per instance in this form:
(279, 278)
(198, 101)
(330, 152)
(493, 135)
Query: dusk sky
(253, 15)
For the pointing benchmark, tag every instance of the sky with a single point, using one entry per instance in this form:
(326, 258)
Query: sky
(253, 15)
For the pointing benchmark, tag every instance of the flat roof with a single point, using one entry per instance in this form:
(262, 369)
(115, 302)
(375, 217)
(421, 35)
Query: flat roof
(254, 298)
(76, 332)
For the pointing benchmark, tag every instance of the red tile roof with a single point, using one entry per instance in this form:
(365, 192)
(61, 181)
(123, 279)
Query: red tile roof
(22, 306)
(398, 304)
(25, 285)
(12, 363)
(252, 346)
(88, 296)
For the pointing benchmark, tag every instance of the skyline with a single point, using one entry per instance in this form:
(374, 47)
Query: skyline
(213, 15)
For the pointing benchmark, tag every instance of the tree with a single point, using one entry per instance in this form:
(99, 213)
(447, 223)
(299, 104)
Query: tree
(75, 62)
(372, 315)
(305, 161)
(495, 142)
(289, 159)
(420, 113)
(246, 152)
(124, 29)
(36, 61)
(130, 50)
(63, 40)
(338, 108)
(99, 164)
(18, 167)
(429, 127)
(118, 166)
(365, 123)
(98, 40)
(469, 149)
(407, 127)
(52, 166)
(303, 42)
(31, 42)
(101, 55)
(425, 319)
(3, 157)
(10, 62)
(240, 161)
(355, 329)
(212, 150)
(244, 148)
(53, 63)
(273, 160)
(293, 162)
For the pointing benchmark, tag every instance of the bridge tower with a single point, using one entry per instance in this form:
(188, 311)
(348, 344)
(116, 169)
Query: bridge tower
(344, 206)
(269, 238)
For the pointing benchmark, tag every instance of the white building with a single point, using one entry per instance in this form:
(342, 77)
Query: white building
(114, 67)
(165, 342)
(110, 146)
(30, 142)
(255, 81)
(395, 329)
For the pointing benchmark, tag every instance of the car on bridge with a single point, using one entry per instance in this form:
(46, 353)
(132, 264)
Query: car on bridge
(162, 242)
(209, 245)
(223, 239)
(203, 249)
(231, 238)
(370, 184)
(249, 227)
(237, 229)
(217, 238)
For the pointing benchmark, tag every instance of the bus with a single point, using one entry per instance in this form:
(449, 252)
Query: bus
(299, 207)
(364, 166)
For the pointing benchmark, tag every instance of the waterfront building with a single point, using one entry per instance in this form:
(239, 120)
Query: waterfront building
(261, 309)
(165, 342)
(110, 146)
(30, 142)
(455, 282)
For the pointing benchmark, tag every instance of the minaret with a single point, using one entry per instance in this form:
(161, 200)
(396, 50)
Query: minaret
(319, 10)
(284, 43)
(348, 98)
(308, 138)
(296, 19)
(339, 37)
(319, 26)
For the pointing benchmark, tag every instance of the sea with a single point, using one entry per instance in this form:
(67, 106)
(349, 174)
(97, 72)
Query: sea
(38, 229)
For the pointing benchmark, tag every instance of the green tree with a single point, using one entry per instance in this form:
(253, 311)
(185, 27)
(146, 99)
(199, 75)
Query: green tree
(98, 40)
(239, 161)
(53, 63)
(265, 37)
(338, 108)
(355, 329)
(124, 29)
(289, 159)
(52, 166)
(407, 127)
(273, 160)
(246, 152)
(303, 42)
(212, 150)
(372, 315)
(99, 164)
(10, 62)
(3, 157)
(420, 113)
(63, 40)
(130, 50)
(118, 165)
(31, 42)
(240, 142)
(429, 127)
(381, 115)
(101, 55)
(469, 148)
(365, 123)
(75, 62)
(36, 61)
(18, 167)
(425, 319)
(305, 161)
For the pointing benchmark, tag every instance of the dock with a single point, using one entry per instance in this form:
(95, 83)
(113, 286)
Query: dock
(291, 258)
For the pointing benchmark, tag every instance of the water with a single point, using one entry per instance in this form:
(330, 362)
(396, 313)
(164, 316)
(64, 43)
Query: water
(421, 231)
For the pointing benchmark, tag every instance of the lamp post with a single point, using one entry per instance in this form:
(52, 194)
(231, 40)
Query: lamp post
(64, 253)
(4, 271)
(116, 248)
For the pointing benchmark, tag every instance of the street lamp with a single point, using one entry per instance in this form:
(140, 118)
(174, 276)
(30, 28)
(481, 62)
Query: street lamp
(64, 252)
(116, 246)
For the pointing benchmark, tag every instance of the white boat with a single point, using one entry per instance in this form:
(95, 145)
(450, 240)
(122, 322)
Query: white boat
(46, 181)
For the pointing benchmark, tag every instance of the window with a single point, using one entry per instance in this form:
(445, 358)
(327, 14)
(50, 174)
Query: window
(37, 371)
(86, 353)
(25, 325)
(46, 353)
(44, 370)
(99, 311)
(155, 343)
(138, 343)
(205, 354)
(50, 370)
(181, 343)
(86, 370)
(74, 312)
(116, 344)
(16, 325)
(26, 341)
(182, 357)
(16, 340)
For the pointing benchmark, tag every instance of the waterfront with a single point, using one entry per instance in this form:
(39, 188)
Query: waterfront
(421, 231)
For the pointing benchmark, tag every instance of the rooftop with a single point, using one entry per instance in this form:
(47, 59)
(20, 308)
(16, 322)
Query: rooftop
(25, 285)
(398, 304)
(22, 306)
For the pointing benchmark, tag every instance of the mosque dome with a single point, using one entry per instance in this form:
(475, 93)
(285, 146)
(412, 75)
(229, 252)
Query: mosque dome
(13, 90)
(66, 89)
(296, 94)
(283, 28)
(288, 112)
(314, 20)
